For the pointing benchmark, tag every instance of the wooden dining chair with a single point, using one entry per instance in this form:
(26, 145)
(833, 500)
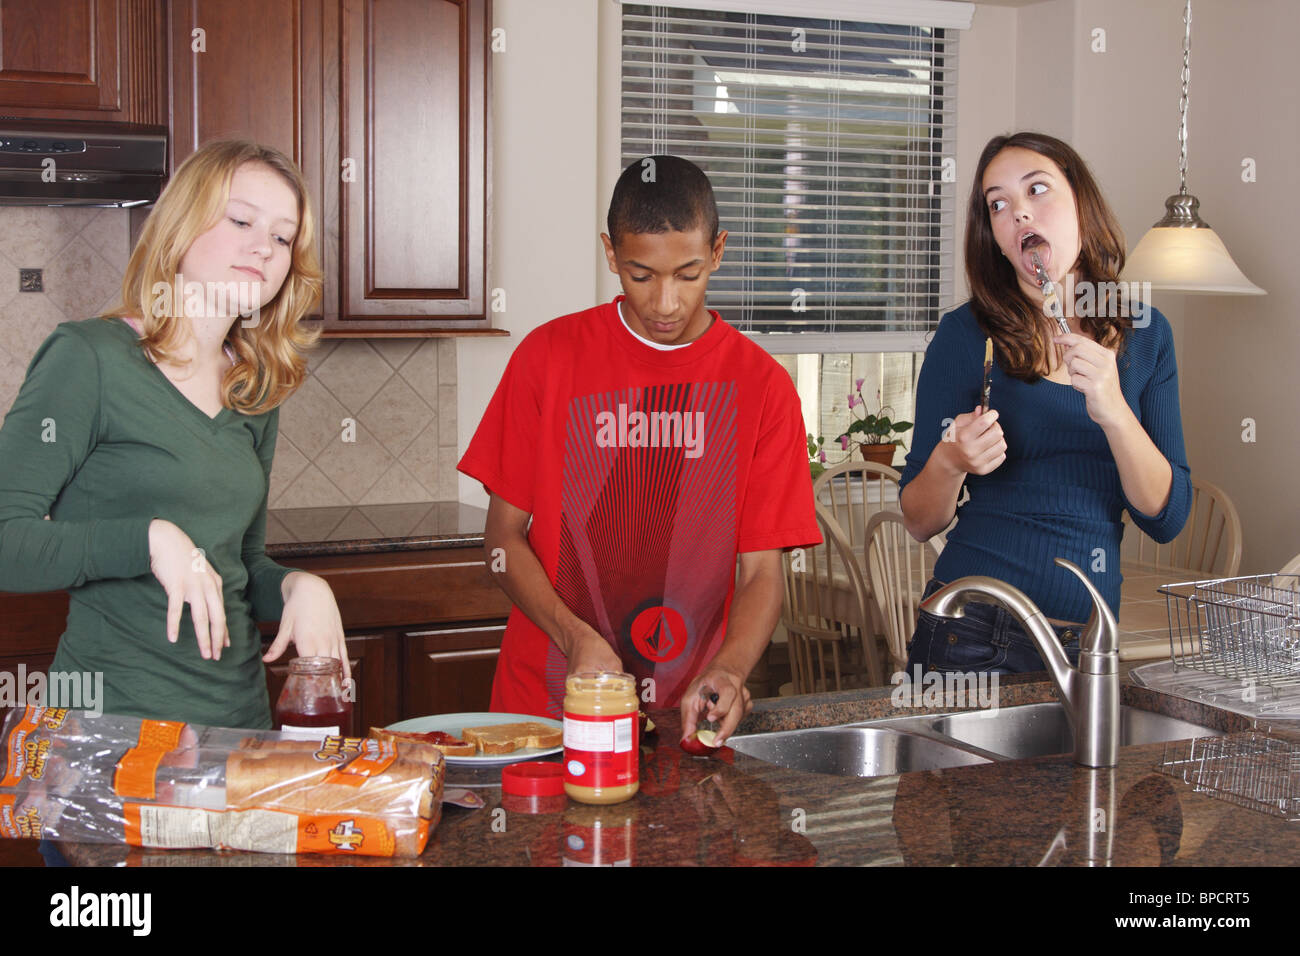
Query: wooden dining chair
(855, 490)
(1209, 546)
(898, 566)
(850, 493)
(815, 610)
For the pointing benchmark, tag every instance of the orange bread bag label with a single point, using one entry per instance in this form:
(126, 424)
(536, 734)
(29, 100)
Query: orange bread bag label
(265, 831)
(136, 773)
(15, 824)
(17, 754)
(373, 758)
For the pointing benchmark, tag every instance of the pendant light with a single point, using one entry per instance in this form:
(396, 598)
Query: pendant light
(1181, 253)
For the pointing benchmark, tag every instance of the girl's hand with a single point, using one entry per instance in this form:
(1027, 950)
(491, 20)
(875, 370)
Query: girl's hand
(975, 442)
(1093, 372)
(310, 620)
(187, 577)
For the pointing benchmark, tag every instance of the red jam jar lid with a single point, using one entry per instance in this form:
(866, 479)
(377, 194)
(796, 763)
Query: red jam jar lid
(535, 778)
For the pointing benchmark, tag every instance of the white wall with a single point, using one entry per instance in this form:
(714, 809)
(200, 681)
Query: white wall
(1236, 355)
(543, 200)
(986, 107)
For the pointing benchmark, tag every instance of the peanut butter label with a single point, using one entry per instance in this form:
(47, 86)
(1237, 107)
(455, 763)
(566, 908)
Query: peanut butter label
(600, 751)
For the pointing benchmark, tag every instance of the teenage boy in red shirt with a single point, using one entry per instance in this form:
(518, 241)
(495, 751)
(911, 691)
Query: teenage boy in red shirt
(650, 444)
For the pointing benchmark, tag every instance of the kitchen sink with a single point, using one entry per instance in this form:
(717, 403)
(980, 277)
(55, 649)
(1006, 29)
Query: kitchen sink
(854, 751)
(1035, 730)
(894, 745)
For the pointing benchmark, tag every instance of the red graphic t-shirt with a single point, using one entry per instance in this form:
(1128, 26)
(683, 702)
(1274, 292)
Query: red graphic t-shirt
(646, 473)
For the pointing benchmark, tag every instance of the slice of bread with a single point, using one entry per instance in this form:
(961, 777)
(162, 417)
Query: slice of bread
(507, 738)
(449, 745)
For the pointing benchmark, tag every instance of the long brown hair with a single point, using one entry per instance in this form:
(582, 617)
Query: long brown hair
(270, 360)
(1017, 326)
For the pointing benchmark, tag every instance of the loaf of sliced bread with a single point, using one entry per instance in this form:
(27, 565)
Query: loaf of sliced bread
(507, 738)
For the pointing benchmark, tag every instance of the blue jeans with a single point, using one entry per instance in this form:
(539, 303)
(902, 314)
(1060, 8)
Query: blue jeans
(987, 639)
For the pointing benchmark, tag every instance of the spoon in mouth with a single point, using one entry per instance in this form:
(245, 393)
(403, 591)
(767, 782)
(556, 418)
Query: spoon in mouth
(1051, 302)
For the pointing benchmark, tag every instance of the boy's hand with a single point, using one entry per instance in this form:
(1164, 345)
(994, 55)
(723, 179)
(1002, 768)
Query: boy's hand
(588, 651)
(734, 701)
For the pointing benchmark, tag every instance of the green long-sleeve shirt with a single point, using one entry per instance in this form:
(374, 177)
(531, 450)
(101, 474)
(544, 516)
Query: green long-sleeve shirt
(103, 443)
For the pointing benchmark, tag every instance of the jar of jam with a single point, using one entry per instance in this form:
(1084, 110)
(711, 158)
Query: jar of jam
(312, 703)
(601, 731)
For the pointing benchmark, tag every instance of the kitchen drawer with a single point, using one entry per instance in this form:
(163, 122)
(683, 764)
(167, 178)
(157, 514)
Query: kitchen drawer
(411, 588)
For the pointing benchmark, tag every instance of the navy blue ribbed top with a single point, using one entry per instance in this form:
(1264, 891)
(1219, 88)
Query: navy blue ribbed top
(1058, 493)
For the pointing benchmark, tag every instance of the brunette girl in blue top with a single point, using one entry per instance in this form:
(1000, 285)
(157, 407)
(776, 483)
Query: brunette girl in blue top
(1080, 427)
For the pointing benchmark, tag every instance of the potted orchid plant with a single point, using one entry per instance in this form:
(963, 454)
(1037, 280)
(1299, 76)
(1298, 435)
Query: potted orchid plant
(875, 434)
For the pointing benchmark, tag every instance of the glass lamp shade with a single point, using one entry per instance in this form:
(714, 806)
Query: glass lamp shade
(1179, 259)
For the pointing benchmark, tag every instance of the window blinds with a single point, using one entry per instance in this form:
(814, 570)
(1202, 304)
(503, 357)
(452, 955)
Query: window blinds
(831, 147)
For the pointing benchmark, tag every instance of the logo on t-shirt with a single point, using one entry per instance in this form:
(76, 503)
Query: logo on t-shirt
(659, 633)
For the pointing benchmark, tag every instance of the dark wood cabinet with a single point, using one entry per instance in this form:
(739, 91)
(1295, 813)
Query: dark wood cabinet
(97, 60)
(444, 612)
(450, 670)
(383, 103)
(413, 130)
(258, 70)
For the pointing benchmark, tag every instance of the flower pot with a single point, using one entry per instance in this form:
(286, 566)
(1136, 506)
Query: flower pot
(880, 454)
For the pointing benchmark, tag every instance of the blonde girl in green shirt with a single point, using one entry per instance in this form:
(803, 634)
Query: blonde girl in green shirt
(164, 416)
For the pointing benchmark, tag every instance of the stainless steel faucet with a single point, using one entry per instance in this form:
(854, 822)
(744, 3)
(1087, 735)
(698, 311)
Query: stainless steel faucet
(1091, 693)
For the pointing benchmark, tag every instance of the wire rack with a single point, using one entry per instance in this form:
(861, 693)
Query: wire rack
(1251, 769)
(1244, 629)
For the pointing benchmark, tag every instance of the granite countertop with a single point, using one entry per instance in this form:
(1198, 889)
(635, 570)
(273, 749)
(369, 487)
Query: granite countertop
(361, 529)
(707, 811)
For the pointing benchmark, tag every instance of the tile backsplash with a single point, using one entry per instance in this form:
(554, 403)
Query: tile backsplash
(374, 423)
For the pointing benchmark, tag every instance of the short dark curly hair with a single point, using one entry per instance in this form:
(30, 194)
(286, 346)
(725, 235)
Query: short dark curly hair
(659, 194)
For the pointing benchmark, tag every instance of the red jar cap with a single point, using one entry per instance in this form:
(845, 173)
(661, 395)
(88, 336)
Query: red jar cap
(537, 778)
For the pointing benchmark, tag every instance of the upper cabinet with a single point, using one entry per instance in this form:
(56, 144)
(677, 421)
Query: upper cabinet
(383, 103)
(96, 60)
(412, 122)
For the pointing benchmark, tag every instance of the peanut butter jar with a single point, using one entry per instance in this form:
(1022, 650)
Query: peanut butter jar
(601, 737)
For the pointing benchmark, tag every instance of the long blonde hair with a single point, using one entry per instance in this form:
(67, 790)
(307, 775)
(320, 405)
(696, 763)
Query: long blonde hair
(270, 361)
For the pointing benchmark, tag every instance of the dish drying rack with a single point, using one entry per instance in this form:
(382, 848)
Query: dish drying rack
(1251, 769)
(1234, 642)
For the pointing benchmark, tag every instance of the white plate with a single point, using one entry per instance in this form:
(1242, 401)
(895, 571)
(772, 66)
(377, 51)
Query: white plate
(454, 723)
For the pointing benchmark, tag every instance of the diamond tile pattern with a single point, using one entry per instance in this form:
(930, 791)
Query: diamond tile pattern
(395, 397)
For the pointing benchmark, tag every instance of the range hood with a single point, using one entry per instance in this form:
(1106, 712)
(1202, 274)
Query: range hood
(68, 164)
